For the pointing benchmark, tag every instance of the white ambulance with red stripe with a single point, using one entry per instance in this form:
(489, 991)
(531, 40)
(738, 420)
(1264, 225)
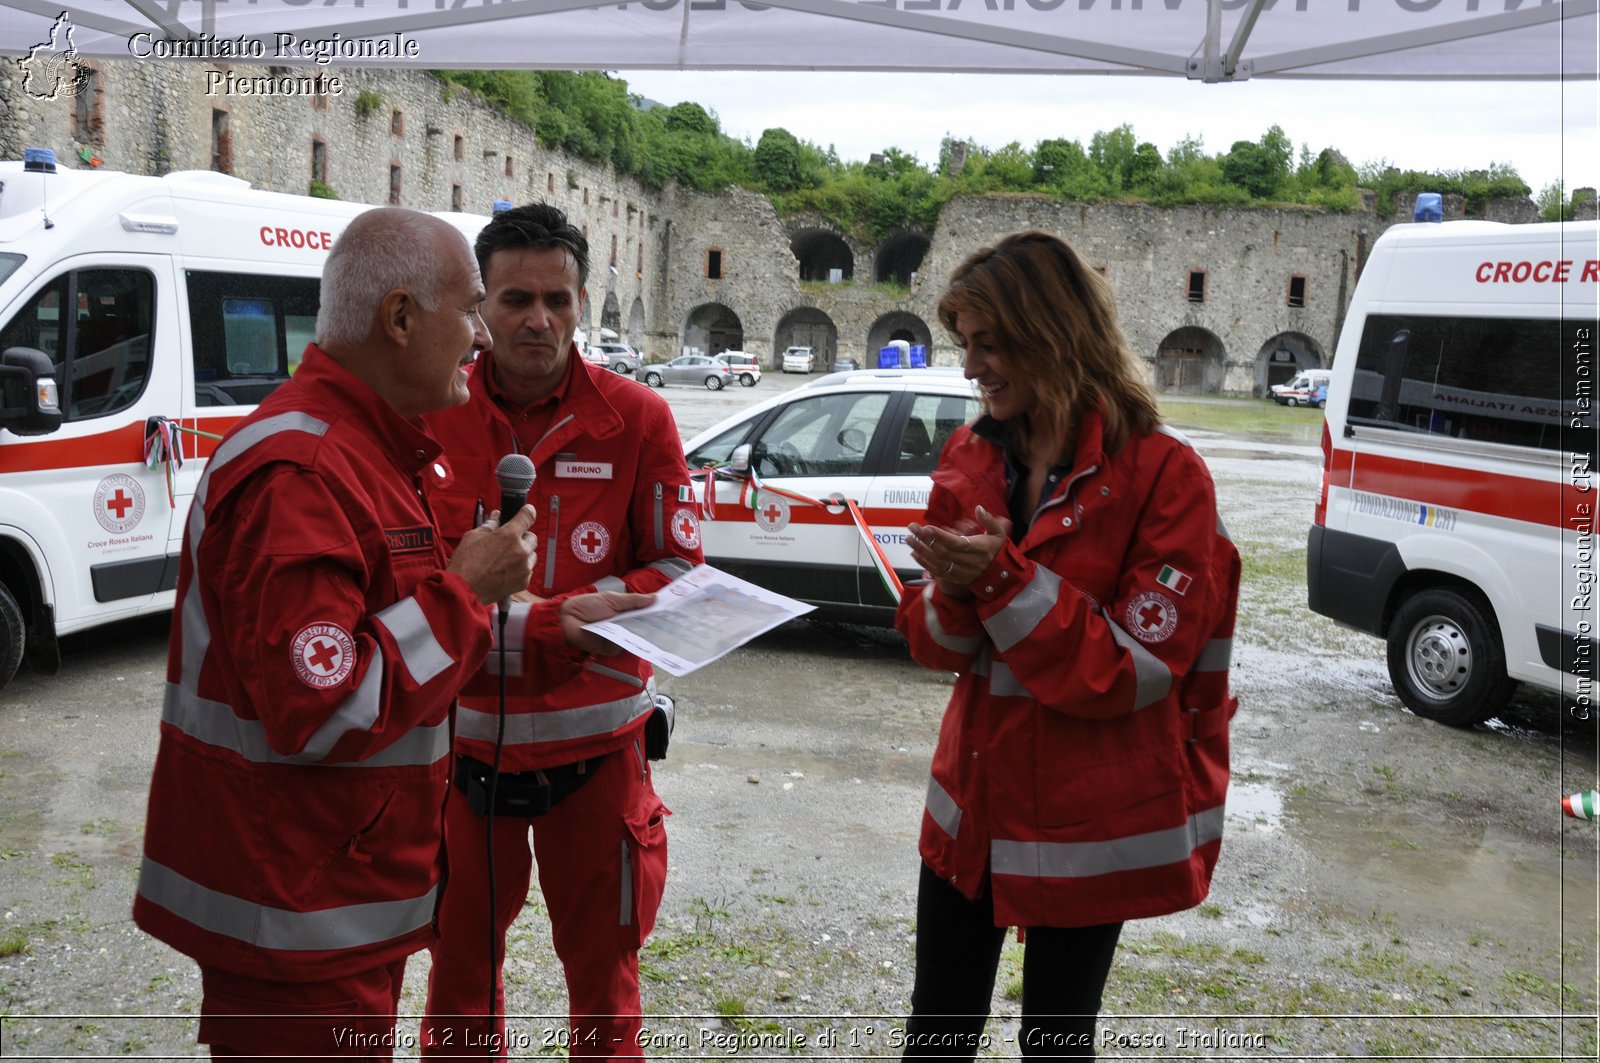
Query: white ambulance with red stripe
(1457, 513)
(136, 313)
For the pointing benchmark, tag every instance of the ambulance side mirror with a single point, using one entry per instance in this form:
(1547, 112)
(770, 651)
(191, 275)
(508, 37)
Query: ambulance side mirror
(739, 460)
(30, 403)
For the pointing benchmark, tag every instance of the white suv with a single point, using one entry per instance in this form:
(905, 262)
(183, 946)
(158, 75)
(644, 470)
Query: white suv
(619, 357)
(873, 436)
(799, 360)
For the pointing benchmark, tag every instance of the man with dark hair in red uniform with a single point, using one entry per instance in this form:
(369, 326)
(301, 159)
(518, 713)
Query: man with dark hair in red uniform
(616, 514)
(292, 846)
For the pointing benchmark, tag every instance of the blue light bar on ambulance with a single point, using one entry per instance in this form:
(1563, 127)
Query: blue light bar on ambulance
(38, 160)
(501, 206)
(1430, 207)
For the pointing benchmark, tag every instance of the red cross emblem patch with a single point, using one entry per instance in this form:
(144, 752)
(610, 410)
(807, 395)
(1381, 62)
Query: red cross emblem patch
(1151, 617)
(323, 655)
(118, 503)
(686, 529)
(591, 542)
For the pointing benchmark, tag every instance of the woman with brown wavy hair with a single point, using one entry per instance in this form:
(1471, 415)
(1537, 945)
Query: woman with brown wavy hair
(1083, 588)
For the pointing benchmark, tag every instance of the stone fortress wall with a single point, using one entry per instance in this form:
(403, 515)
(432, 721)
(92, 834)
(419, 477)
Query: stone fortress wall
(1222, 301)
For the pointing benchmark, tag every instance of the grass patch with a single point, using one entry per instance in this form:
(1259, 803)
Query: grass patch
(13, 942)
(1254, 418)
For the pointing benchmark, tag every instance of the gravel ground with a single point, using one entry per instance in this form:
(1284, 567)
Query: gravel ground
(1388, 887)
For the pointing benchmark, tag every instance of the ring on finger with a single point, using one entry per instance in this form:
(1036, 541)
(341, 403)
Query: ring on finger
(950, 568)
(965, 541)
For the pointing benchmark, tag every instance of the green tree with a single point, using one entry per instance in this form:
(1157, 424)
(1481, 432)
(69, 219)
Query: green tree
(779, 162)
(1112, 153)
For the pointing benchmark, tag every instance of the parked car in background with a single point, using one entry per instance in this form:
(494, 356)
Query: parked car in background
(699, 369)
(618, 357)
(873, 436)
(1302, 390)
(746, 367)
(799, 360)
(845, 364)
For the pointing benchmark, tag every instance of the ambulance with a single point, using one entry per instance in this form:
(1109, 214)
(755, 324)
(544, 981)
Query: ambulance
(140, 318)
(1456, 518)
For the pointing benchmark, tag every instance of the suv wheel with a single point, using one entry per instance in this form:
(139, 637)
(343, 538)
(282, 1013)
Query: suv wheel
(747, 380)
(619, 367)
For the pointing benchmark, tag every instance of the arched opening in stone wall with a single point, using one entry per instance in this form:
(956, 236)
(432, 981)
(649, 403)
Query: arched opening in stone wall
(806, 326)
(1281, 357)
(1189, 360)
(713, 328)
(636, 326)
(611, 314)
(820, 252)
(898, 325)
(900, 257)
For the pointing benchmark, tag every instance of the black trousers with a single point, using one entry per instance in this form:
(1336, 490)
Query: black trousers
(1064, 972)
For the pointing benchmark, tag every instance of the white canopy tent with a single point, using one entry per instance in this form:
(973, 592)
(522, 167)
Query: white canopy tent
(1204, 40)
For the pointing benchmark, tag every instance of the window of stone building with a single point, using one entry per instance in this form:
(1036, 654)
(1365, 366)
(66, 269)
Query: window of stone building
(550, 183)
(639, 271)
(221, 141)
(1197, 286)
(616, 208)
(89, 113)
(394, 184)
(1297, 290)
(461, 148)
(714, 264)
(511, 167)
(319, 160)
(586, 195)
(613, 250)
(397, 123)
(319, 98)
(456, 196)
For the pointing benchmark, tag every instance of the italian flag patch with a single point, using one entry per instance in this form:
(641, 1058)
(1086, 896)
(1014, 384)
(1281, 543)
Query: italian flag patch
(1173, 580)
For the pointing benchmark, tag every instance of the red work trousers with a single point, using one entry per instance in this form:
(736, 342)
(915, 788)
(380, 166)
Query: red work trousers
(346, 1018)
(602, 854)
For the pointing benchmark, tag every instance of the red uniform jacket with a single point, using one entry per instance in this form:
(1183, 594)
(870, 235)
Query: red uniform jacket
(1082, 762)
(615, 513)
(295, 811)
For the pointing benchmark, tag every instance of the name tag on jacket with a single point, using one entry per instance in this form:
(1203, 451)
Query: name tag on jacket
(583, 470)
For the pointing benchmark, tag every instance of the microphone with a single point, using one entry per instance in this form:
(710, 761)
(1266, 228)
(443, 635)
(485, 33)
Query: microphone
(515, 474)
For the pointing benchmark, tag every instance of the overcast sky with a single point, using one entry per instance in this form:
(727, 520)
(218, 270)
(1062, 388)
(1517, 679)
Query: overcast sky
(1544, 129)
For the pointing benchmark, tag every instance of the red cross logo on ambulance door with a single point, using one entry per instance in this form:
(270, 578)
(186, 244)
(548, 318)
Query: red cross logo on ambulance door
(772, 512)
(1151, 617)
(323, 655)
(118, 503)
(591, 542)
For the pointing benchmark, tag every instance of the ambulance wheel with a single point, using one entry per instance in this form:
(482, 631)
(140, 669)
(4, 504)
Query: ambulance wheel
(746, 380)
(1445, 658)
(1293, 402)
(713, 383)
(13, 636)
(652, 379)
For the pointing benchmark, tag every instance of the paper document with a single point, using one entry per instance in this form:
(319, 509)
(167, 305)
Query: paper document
(697, 618)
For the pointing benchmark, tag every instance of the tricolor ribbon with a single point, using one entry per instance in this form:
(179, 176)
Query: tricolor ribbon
(1581, 806)
(163, 445)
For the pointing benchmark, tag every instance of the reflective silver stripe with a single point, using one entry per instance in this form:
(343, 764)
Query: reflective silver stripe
(609, 583)
(943, 808)
(1222, 529)
(420, 651)
(1152, 677)
(214, 723)
(557, 725)
(1216, 656)
(1032, 604)
(349, 927)
(1003, 682)
(358, 712)
(516, 638)
(1088, 859)
(612, 673)
(625, 917)
(936, 631)
(1168, 430)
(196, 633)
(671, 567)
